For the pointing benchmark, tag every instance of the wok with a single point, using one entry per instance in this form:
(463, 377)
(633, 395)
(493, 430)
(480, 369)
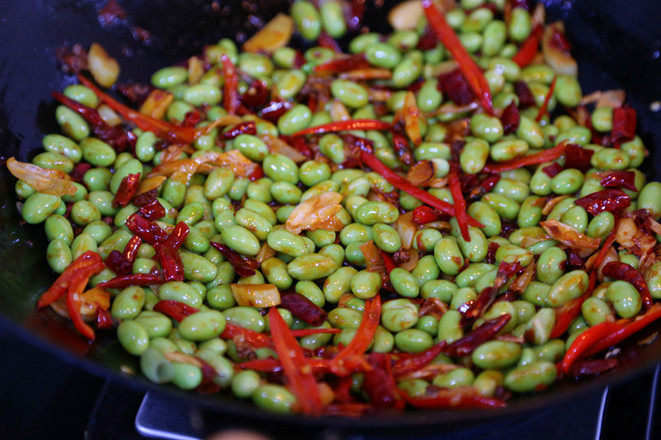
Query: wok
(618, 46)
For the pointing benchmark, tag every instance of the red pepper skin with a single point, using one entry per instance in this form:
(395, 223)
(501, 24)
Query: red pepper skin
(547, 99)
(348, 125)
(628, 329)
(257, 340)
(459, 204)
(511, 118)
(131, 249)
(468, 67)
(351, 358)
(388, 261)
(620, 179)
(408, 365)
(460, 397)
(104, 319)
(88, 262)
(246, 127)
(127, 189)
(424, 214)
(611, 200)
(73, 306)
(146, 230)
(626, 272)
(134, 279)
(162, 129)
(533, 159)
(528, 49)
(483, 333)
(402, 148)
(174, 309)
(606, 244)
(379, 383)
(569, 311)
(345, 64)
(274, 109)
(402, 184)
(168, 256)
(231, 100)
(578, 157)
(304, 309)
(244, 266)
(587, 340)
(295, 366)
(624, 125)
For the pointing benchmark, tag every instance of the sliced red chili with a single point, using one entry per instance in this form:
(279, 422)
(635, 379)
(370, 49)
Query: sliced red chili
(152, 210)
(410, 364)
(458, 397)
(131, 250)
(510, 118)
(624, 125)
(481, 334)
(424, 214)
(243, 266)
(174, 309)
(578, 157)
(468, 67)
(587, 340)
(459, 204)
(611, 200)
(547, 100)
(620, 179)
(146, 230)
(348, 125)
(606, 245)
(528, 49)
(388, 261)
(89, 262)
(295, 366)
(74, 292)
(257, 340)
(127, 189)
(533, 159)
(303, 309)
(628, 273)
(231, 88)
(351, 357)
(256, 96)
(402, 184)
(379, 384)
(246, 127)
(134, 279)
(485, 186)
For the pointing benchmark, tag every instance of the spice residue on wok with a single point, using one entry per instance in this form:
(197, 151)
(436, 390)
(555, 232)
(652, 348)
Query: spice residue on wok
(437, 219)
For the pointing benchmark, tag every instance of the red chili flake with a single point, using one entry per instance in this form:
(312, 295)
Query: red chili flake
(454, 86)
(299, 143)
(380, 384)
(410, 364)
(485, 186)
(117, 263)
(510, 118)
(127, 189)
(424, 214)
(243, 266)
(174, 309)
(523, 92)
(328, 42)
(552, 170)
(402, 148)
(135, 92)
(624, 125)
(574, 261)
(491, 252)
(626, 272)
(456, 147)
(192, 118)
(256, 96)
(104, 319)
(480, 335)
(468, 182)
(111, 14)
(620, 179)
(507, 227)
(578, 157)
(459, 204)
(428, 40)
(304, 309)
(72, 60)
(611, 200)
(246, 127)
(152, 210)
(79, 171)
(274, 109)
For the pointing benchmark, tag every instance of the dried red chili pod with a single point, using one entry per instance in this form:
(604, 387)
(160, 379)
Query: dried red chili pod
(483, 333)
(578, 157)
(127, 189)
(116, 262)
(523, 92)
(552, 170)
(611, 200)
(402, 148)
(243, 266)
(152, 210)
(628, 273)
(231, 100)
(246, 127)
(624, 125)
(455, 87)
(145, 229)
(274, 109)
(79, 171)
(510, 118)
(174, 309)
(256, 96)
(303, 309)
(620, 179)
(485, 186)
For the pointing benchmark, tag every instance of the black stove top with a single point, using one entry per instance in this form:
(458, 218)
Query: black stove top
(43, 397)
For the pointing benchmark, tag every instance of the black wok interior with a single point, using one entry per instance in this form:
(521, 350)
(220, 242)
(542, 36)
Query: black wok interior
(618, 45)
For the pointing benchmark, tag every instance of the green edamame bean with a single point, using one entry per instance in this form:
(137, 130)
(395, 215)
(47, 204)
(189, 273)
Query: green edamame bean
(625, 298)
(462, 296)
(287, 243)
(508, 149)
(382, 55)
(72, 124)
(180, 291)
(520, 24)
(459, 377)
(129, 303)
(169, 76)
(408, 69)
(398, 315)
(495, 35)
(404, 283)
(441, 289)
(595, 311)
(307, 19)
(449, 326)
(650, 198)
(370, 213)
(413, 340)
(472, 274)
(246, 317)
(475, 153)
(156, 367)
(220, 297)
(133, 337)
(568, 90)
(240, 240)
(449, 257)
(506, 208)
(275, 271)
(295, 119)
(58, 255)
(350, 93)
(58, 227)
(157, 325)
(569, 286)
(610, 159)
(531, 377)
(311, 267)
(274, 398)
(202, 325)
(38, 207)
(97, 152)
(496, 355)
(475, 249)
(186, 376)
(550, 266)
(244, 383)
(538, 329)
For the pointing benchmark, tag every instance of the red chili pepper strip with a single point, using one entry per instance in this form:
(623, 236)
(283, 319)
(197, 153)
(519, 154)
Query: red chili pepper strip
(351, 356)
(626, 272)
(127, 189)
(459, 397)
(533, 159)
(299, 374)
(388, 261)
(424, 214)
(610, 199)
(174, 309)
(131, 249)
(87, 262)
(244, 266)
(629, 328)
(483, 333)
(528, 49)
(459, 204)
(402, 184)
(624, 124)
(339, 65)
(469, 68)
(269, 365)
(162, 129)
(606, 245)
(152, 210)
(569, 311)
(89, 114)
(585, 341)
(257, 340)
(380, 385)
(146, 230)
(74, 292)
(168, 256)
(231, 100)
(408, 365)
(547, 99)
(246, 127)
(620, 179)
(348, 125)
(134, 279)
(304, 309)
